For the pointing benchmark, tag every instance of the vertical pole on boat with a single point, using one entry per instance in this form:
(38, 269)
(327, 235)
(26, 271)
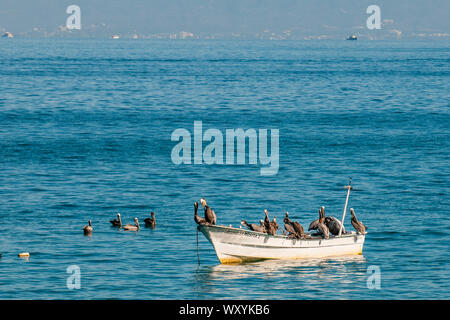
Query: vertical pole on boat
(349, 187)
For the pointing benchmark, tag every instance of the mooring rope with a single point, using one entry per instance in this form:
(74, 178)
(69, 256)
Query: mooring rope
(198, 253)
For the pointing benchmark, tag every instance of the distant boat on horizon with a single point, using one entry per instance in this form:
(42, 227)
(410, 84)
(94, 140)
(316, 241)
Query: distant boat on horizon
(115, 36)
(352, 37)
(7, 35)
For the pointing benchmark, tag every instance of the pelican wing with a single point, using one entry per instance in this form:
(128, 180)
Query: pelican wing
(314, 225)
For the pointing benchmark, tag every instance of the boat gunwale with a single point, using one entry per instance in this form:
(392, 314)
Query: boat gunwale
(244, 231)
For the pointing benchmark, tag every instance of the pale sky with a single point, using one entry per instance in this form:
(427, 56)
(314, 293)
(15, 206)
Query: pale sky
(226, 16)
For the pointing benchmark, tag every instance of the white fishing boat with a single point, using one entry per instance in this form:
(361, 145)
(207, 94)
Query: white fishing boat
(235, 245)
(7, 35)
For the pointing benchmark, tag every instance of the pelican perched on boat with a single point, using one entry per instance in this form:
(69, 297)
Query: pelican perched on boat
(268, 225)
(199, 220)
(334, 225)
(261, 223)
(287, 225)
(315, 224)
(358, 225)
(210, 215)
(131, 227)
(116, 222)
(253, 226)
(150, 222)
(275, 224)
(88, 229)
(322, 226)
(297, 227)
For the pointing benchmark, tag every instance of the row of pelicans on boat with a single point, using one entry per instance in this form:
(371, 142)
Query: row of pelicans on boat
(293, 229)
(149, 222)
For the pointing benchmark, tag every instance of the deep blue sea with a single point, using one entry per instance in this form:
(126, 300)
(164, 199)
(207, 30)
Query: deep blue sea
(85, 132)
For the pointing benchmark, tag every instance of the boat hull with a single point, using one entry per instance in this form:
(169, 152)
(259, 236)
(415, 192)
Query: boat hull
(234, 245)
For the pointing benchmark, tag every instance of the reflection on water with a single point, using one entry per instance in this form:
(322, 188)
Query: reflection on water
(312, 274)
(269, 268)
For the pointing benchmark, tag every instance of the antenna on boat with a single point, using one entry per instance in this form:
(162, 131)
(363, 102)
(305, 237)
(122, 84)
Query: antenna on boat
(349, 187)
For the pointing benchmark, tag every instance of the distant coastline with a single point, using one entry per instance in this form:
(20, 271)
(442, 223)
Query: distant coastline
(385, 34)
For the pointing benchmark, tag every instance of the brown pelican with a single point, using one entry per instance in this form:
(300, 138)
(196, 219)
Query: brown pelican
(322, 226)
(275, 224)
(297, 227)
(266, 218)
(315, 224)
(358, 225)
(334, 225)
(210, 215)
(131, 227)
(88, 229)
(268, 225)
(287, 225)
(197, 218)
(261, 223)
(150, 222)
(117, 222)
(253, 226)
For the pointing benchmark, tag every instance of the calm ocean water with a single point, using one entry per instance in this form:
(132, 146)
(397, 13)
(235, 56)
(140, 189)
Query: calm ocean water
(85, 130)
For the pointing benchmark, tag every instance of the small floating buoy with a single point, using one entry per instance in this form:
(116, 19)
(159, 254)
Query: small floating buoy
(24, 255)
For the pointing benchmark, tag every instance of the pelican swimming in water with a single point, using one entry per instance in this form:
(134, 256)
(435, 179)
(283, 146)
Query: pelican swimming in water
(268, 225)
(322, 226)
(210, 215)
(132, 227)
(88, 229)
(334, 225)
(358, 225)
(253, 226)
(150, 222)
(116, 222)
